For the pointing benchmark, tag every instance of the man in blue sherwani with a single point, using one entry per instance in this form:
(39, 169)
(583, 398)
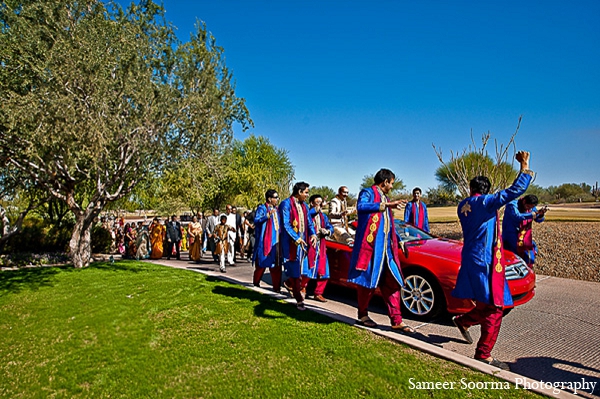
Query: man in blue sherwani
(267, 254)
(375, 261)
(481, 277)
(317, 267)
(516, 227)
(415, 212)
(297, 233)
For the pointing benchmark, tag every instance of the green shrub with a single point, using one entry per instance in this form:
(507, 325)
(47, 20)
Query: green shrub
(36, 236)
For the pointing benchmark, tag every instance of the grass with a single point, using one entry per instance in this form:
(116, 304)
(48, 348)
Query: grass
(136, 330)
(562, 213)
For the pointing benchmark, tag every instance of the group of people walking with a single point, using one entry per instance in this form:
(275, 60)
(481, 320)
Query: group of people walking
(292, 235)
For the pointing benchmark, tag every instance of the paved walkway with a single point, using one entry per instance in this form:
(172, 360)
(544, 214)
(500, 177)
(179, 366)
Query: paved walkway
(553, 338)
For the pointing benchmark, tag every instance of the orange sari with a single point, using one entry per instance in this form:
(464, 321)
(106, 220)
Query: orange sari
(157, 236)
(195, 231)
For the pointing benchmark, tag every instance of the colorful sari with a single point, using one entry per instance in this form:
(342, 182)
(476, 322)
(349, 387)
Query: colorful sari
(157, 236)
(195, 232)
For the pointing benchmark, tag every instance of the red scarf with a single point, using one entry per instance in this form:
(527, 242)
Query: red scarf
(320, 250)
(295, 219)
(367, 245)
(271, 236)
(498, 268)
(417, 206)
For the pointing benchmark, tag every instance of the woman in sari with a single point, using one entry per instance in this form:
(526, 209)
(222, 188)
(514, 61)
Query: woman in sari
(143, 251)
(183, 245)
(120, 240)
(130, 238)
(157, 237)
(195, 234)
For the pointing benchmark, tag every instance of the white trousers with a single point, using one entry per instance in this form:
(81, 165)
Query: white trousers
(231, 250)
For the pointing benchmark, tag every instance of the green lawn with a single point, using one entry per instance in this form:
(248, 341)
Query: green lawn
(136, 330)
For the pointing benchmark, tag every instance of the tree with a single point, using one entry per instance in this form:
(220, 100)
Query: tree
(325, 191)
(473, 161)
(542, 193)
(256, 165)
(473, 164)
(96, 98)
(369, 181)
(572, 192)
(440, 195)
(191, 186)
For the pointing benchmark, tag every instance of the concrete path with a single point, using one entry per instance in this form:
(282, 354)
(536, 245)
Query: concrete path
(554, 338)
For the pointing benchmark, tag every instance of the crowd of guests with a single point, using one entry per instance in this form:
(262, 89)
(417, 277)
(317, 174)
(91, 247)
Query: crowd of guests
(169, 237)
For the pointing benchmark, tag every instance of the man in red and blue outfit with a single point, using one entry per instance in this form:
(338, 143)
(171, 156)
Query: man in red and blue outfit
(267, 254)
(296, 234)
(516, 227)
(481, 277)
(415, 212)
(317, 267)
(375, 261)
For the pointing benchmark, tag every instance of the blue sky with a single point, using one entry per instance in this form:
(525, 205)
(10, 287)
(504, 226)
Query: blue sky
(348, 87)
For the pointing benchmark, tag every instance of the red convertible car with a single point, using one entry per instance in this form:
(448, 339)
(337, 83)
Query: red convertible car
(430, 272)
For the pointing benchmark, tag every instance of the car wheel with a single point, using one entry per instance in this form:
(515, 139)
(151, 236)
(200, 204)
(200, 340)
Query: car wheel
(421, 295)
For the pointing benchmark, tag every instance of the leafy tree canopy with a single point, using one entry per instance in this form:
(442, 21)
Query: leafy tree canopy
(325, 191)
(96, 98)
(457, 172)
(470, 165)
(254, 166)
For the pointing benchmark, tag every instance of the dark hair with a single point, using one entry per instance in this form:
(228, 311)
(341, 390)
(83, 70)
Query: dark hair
(341, 189)
(417, 189)
(383, 175)
(270, 194)
(314, 197)
(223, 217)
(300, 186)
(531, 199)
(480, 185)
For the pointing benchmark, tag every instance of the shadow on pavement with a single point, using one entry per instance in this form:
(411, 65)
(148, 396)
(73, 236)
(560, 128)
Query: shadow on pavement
(555, 370)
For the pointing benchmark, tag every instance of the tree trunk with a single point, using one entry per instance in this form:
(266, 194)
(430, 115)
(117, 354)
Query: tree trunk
(81, 240)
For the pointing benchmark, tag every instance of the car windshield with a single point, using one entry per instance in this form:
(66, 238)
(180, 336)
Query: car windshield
(409, 233)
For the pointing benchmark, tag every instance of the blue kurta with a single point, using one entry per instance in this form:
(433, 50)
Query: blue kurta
(511, 225)
(321, 250)
(293, 267)
(383, 249)
(261, 219)
(408, 215)
(477, 215)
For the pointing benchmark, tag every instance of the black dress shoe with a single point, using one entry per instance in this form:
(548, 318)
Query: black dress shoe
(463, 331)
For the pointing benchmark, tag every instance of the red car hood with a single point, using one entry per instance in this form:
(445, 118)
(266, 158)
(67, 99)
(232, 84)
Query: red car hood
(445, 248)
(437, 248)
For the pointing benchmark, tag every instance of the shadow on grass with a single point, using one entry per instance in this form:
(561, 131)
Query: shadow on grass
(119, 266)
(15, 281)
(266, 304)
